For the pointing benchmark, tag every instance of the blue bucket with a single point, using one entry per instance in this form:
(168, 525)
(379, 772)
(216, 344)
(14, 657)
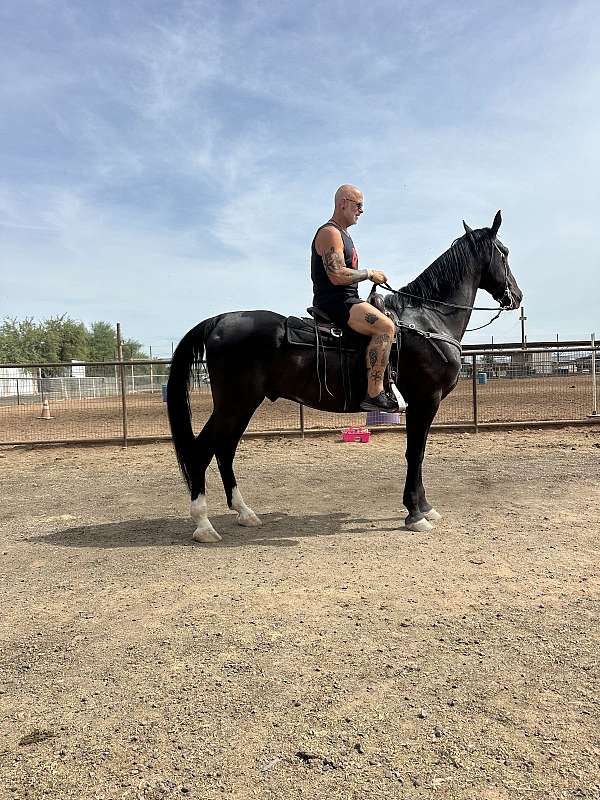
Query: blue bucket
(482, 377)
(382, 418)
(164, 392)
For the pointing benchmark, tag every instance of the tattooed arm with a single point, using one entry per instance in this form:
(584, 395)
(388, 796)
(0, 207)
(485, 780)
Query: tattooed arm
(330, 247)
(337, 271)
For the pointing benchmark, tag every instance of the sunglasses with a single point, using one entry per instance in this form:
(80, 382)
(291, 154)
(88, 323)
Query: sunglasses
(358, 205)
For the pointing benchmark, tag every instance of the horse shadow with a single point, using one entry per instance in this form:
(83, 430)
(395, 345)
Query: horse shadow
(277, 530)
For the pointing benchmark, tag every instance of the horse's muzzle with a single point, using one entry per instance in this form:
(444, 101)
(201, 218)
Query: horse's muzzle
(511, 300)
(510, 304)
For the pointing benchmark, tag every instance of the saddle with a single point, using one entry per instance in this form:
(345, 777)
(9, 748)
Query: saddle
(319, 330)
(322, 334)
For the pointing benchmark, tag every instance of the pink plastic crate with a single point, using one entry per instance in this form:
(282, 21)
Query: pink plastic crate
(355, 435)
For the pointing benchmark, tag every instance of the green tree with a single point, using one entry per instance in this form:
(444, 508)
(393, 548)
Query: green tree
(73, 341)
(20, 341)
(133, 349)
(64, 339)
(102, 342)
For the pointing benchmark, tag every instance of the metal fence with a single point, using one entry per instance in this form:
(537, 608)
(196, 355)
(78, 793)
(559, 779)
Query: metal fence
(23, 391)
(124, 401)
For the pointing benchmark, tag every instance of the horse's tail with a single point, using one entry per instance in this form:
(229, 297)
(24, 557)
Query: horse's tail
(188, 356)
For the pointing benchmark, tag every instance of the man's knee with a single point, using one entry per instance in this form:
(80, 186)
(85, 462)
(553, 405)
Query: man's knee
(390, 328)
(370, 322)
(385, 327)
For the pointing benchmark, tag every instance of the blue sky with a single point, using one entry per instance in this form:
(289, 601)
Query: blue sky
(165, 161)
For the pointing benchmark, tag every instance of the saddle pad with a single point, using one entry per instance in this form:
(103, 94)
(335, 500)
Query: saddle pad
(302, 332)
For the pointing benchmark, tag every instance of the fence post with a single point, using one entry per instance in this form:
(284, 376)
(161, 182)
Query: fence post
(474, 379)
(302, 419)
(594, 404)
(123, 387)
(18, 395)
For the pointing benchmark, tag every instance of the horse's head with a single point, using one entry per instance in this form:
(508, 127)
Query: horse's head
(496, 277)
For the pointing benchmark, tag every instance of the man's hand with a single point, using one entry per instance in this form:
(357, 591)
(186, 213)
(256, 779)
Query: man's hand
(377, 276)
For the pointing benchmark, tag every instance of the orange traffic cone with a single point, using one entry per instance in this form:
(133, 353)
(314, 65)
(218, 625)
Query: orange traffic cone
(45, 409)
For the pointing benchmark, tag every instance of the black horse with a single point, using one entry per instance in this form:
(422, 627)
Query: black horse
(249, 357)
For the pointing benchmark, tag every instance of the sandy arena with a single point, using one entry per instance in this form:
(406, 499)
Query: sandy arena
(328, 654)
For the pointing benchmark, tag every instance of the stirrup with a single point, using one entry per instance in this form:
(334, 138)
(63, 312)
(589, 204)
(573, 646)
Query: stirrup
(402, 404)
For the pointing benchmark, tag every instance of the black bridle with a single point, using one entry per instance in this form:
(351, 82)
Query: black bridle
(502, 307)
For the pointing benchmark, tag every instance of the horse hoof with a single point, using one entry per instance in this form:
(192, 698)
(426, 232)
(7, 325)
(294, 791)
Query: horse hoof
(432, 515)
(206, 535)
(249, 520)
(420, 525)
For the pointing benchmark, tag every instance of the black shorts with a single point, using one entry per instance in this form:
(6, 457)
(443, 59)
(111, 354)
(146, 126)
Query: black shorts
(339, 310)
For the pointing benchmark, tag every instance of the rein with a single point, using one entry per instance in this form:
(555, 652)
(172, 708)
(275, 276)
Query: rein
(439, 302)
(499, 309)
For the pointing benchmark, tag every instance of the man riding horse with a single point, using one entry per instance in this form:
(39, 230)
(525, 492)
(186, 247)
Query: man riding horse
(335, 275)
(250, 357)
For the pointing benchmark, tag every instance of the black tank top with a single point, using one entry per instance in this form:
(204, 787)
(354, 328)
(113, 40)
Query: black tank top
(324, 290)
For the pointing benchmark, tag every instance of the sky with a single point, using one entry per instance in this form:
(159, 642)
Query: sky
(162, 162)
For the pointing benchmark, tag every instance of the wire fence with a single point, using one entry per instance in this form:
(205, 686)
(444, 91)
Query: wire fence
(121, 401)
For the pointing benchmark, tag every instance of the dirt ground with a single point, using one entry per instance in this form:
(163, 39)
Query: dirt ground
(328, 654)
(500, 400)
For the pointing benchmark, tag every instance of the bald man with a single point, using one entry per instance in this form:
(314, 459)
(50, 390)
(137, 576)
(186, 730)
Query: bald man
(335, 275)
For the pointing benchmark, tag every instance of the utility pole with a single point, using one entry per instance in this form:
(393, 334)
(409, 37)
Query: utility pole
(523, 318)
(123, 384)
(594, 403)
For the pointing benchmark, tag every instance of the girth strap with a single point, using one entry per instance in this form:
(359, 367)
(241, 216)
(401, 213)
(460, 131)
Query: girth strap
(443, 337)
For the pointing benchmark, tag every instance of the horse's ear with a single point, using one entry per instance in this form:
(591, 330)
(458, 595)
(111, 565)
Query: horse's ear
(496, 224)
(466, 227)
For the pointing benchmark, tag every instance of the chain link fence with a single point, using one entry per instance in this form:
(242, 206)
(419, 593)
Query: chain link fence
(120, 401)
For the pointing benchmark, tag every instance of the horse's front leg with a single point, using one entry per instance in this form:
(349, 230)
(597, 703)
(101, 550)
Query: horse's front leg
(419, 417)
(425, 506)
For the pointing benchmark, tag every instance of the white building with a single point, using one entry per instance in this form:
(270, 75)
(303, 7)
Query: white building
(15, 381)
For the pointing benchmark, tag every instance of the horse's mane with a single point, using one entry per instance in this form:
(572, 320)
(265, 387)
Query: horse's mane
(440, 277)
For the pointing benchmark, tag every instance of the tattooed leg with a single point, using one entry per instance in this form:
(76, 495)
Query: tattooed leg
(367, 320)
(378, 353)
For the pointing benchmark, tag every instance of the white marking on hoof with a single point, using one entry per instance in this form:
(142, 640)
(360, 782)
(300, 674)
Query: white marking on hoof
(246, 516)
(421, 526)
(432, 515)
(206, 535)
(204, 530)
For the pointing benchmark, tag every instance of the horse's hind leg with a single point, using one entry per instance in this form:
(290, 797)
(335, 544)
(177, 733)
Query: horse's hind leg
(246, 516)
(204, 451)
(225, 453)
(235, 501)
